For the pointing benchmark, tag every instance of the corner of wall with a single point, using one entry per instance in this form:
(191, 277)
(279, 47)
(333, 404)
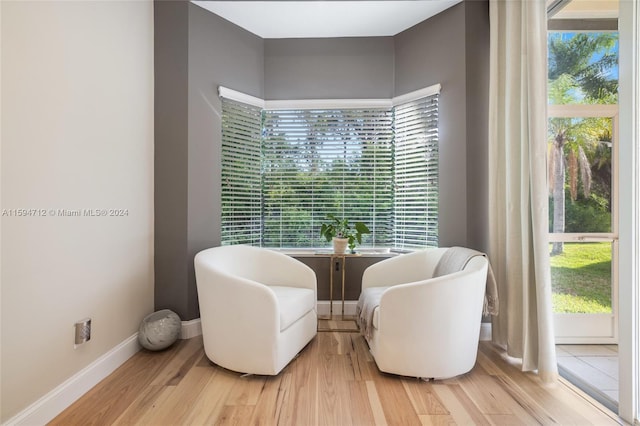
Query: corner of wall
(477, 92)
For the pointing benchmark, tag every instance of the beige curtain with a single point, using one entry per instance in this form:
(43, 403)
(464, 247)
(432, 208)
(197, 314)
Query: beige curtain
(518, 205)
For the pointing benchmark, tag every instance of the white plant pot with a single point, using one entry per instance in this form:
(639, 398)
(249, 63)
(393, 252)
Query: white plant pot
(340, 245)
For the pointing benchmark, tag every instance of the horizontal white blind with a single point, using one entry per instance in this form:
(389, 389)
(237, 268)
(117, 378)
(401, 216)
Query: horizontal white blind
(416, 174)
(318, 162)
(284, 170)
(241, 173)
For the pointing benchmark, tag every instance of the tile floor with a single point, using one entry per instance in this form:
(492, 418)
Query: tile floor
(593, 368)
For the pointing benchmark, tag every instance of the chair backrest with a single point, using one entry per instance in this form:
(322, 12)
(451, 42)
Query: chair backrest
(238, 260)
(258, 264)
(406, 268)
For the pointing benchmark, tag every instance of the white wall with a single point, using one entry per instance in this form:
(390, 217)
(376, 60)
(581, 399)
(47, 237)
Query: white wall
(77, 133)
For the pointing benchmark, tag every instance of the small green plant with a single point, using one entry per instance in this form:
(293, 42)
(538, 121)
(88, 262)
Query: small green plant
(340, 228)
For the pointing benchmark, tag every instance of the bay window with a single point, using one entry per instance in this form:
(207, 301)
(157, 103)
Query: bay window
(286, 165)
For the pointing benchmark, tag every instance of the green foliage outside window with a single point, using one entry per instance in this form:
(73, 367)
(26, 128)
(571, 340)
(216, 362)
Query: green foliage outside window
(582, 70)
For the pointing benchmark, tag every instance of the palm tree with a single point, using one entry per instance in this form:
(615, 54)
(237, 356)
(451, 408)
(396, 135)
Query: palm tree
(587, 57)
(578, 73)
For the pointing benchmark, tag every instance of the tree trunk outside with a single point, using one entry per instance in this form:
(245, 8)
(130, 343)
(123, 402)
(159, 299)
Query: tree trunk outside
(558, 194)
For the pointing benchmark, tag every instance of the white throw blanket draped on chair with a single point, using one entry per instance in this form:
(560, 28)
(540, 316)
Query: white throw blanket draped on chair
(454, 260)
(367, 303)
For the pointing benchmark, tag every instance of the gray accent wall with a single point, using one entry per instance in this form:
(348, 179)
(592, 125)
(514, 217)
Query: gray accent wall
(329, 68)
(197, 51)
(171, 47)
(220, 54)
(451, 49)
(477, 70)
(354, 266)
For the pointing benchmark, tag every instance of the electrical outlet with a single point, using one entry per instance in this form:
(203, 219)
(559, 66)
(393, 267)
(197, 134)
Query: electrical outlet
(83, 331)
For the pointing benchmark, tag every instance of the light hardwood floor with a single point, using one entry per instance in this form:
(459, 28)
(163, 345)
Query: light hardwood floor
(334, 381)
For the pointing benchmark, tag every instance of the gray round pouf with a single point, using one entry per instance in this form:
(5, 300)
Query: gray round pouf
(159, 330)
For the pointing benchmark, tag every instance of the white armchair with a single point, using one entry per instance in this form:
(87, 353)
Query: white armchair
(423, 326)
(257, 307)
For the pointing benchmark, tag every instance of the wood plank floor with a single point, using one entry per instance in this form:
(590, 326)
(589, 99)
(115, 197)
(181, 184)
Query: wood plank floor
(334, 381)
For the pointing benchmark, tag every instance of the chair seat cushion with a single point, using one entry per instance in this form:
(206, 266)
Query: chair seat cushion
(294, 303)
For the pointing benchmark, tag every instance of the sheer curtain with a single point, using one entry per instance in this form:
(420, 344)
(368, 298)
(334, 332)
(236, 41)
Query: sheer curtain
(518, 205)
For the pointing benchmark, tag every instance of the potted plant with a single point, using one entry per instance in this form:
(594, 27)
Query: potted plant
(342, 234)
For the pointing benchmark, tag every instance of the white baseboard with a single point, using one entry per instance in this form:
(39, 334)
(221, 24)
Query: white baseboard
(191, 329)
(485, 331)
(53, 403)
(349, 307)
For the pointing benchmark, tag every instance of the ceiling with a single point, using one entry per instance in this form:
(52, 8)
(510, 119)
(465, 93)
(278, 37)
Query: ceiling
(586, 9)
(362, 18)
(319, 19)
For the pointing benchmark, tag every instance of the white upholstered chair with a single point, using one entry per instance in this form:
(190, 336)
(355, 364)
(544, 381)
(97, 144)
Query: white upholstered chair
(257, 307)
(425, 327)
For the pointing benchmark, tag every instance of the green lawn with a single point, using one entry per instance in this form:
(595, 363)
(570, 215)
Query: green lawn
(581, 278)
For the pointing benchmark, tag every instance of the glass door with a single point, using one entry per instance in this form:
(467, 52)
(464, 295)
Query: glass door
(583, 222)
(582, 179)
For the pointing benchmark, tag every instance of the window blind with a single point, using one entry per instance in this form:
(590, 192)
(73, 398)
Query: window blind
(284, 170)
(241, 173)
(416, 173)
(317, 162)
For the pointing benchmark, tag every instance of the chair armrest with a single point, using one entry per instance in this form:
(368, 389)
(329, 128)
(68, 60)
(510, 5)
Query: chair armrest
(414, 307)
(405, 268)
